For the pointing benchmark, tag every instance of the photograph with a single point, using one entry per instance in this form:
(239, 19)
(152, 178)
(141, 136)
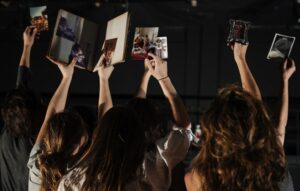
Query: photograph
(107, 53)
(144, 42)
(66, 29)
(238, 31)
(39, 17)
(281, 46)
(161, 47)
(76, 52)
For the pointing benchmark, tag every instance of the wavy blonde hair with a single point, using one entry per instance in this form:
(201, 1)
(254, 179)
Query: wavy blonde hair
(240, 147)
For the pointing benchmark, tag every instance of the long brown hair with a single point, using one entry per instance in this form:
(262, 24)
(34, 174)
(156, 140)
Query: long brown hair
(116, 152)
(64, 135)
(240, 149)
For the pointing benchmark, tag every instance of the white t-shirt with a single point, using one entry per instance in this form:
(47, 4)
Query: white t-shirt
(35, 176)
(157, 166)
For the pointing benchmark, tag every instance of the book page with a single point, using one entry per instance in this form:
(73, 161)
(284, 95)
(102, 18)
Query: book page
(118, 28)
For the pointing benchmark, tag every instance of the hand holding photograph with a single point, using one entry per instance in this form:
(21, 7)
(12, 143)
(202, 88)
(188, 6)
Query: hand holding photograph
(39, 18)
(107, 53)
(281, 46)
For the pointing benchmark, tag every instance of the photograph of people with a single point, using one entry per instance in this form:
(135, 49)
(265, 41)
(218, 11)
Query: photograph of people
(76, 52)
(39, 18)
(144, 42)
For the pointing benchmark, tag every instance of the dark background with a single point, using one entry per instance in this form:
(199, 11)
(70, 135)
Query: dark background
(199, 61)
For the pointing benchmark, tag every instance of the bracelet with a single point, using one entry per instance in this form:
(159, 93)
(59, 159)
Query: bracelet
(163, 78)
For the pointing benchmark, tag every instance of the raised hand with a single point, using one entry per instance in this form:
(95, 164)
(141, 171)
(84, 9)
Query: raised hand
(29, 35)
(157, 67)
(66, 70)
(288, 69)
(239, 51)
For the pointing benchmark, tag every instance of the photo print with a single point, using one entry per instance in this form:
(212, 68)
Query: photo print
(144, 42)
(238, 31)
(281, 46)
(39, 18)
(161, 47)
(107, 53)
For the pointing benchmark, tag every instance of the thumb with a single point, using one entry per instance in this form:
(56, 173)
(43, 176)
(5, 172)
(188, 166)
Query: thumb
(148, 64)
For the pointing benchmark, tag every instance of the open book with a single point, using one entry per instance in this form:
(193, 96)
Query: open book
(75, 36)
(114, 47)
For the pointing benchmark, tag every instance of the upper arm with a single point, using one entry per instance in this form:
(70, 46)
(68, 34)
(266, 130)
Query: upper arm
(174, 147)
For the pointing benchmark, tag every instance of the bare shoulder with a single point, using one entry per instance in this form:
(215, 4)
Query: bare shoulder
(193, 181)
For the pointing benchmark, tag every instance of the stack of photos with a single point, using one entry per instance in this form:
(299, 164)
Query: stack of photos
(144, 42)
(107, 53)
(39, 17)
(238, 32)
(281, 46)
(74, 36)
(161, 47)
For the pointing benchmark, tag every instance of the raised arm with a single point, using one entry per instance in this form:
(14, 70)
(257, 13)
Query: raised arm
(288, 69)
(58, 100)
(28, 39)
(159, 70)
(105, 101)
(142, 91)
(248, 81)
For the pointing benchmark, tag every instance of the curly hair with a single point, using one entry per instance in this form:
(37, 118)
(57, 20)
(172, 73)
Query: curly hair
(66, 133)
(240, 147)
(22, 112)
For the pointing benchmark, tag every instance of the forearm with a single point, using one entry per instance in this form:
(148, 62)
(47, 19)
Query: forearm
(179, 111)
(284, 109)
(247, 79)
(142, 91)
(56, 104)
(105, 101)
(25, 58)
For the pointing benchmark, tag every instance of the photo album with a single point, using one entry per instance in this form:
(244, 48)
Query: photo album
(75, 36)
(281, 46)
(39, 18)
(146, 40)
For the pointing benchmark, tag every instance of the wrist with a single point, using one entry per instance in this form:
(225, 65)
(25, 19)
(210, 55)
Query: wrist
(162, 78)
(239, 59)
(27, 46)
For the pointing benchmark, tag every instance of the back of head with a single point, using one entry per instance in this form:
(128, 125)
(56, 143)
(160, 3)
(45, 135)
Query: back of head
(240, 149)
(22, 112)
(65, 141)
(152, 122)
(116, 152)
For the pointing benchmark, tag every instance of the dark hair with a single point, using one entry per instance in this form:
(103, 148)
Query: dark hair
(240, 149)
(22, 112)
(64, 135)
(116, 152)
(152, 122)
